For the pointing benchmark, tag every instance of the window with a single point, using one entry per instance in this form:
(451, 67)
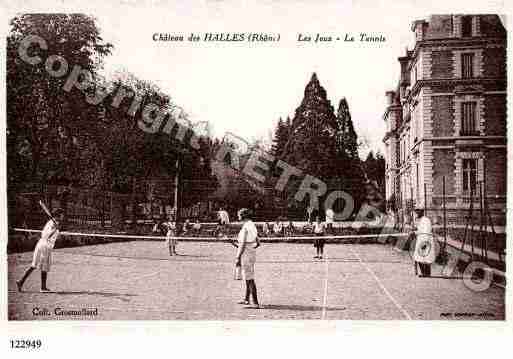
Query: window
(417, 183)
(468, 118)
(467, 66)
(404, 150)
(417, 124)
(398, 155)
(408, 145)
(401, 155)
(469, 175)
(466, 26)
(400, 152)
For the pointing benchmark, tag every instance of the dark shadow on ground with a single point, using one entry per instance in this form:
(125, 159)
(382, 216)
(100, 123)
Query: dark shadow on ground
(122, 296)
(190, 255)
(89, 292)
(300, 308)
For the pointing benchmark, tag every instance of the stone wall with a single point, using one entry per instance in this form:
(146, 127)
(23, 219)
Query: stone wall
(495, 115)
(443, 165)
(443, 116)
(495, 172)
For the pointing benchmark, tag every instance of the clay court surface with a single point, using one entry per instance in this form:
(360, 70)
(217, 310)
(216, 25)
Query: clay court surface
(138, 280)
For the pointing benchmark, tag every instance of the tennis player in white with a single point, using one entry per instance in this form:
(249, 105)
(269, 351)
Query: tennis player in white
(330, 216)
(170, 227)
(425, 245)
(248, 242)
(42, 257)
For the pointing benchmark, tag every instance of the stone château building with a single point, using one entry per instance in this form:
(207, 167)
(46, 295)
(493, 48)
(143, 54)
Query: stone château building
(447, 116)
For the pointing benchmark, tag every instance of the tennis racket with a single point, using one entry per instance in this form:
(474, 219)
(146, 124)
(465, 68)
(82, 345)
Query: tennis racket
(47, 211)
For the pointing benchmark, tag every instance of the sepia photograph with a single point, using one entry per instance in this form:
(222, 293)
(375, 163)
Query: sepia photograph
(255, 178)
(275, 178)
(174, 171)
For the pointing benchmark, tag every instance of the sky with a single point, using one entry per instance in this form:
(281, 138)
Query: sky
(244, 88)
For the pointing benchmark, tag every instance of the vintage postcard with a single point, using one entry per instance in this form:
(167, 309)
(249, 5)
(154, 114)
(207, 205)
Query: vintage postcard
(275, 161)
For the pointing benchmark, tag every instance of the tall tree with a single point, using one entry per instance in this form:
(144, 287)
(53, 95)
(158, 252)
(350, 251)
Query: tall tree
(351, 175)
(312, 144)
(374, 166)
(347, 140)
(280, 138)
(134, 157)
(42, 118)
(323, 145)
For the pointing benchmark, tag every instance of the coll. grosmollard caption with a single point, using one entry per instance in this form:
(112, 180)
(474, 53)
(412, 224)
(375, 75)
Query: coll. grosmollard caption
(64, 312)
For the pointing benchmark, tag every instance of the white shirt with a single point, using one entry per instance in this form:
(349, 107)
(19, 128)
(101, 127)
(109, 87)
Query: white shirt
(224, 217)
(424, 226)
(318, 227)
(50, 234)
(329, 215)
(248, 233)
(171, 228)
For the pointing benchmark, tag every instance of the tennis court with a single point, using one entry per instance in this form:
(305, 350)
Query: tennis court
(138, 280)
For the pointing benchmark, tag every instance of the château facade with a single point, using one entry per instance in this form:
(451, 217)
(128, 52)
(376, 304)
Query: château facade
(447, 116)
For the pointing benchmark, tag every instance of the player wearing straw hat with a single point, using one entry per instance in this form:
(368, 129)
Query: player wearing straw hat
(42, 257)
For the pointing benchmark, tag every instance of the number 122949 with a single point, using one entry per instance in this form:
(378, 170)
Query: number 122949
(26, 344)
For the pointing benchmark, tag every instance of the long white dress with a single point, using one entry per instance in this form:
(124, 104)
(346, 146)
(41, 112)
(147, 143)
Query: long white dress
(425, 246)
(42, 257)
(171, 235)
(248, 235)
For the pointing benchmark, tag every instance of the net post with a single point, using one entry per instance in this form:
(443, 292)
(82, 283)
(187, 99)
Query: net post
(425, 199)
(444, 210)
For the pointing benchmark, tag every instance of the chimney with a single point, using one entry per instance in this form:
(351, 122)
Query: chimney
(390, 97)
(418, 28)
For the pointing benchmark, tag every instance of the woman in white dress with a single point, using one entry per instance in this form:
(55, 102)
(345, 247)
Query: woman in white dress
(170, 228)
(248, 242)
(425, 246)
(319, 241)
(42, 257)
